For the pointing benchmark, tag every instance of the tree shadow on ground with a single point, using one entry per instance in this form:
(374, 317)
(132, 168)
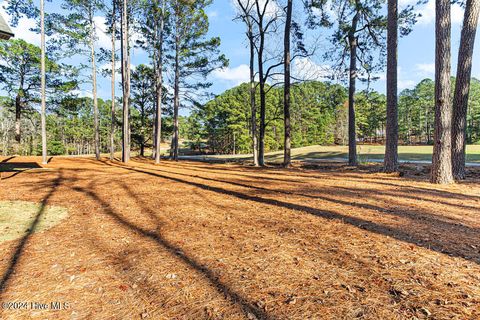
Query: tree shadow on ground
(16, 168)
(350, 193)
(417, 189)
(230, 171)
(406, 235)
(176, 251)
(7, 275)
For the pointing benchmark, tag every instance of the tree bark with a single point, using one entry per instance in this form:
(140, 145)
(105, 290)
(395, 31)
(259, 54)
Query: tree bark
(352, 136)
(262, 80)
(442, 148)
(142, 131)
(112, 110)
(253, 106)
(286, 89)
(391, 144)
(261, 145)
(125, 85)
(43, 83)
(176, 98)
(462, 87)
(94, 87)
(18, 112)
(159, 88)
(261, 142)
(247, 18)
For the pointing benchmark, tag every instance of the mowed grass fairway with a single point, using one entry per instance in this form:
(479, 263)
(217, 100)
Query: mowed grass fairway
(194, 240)
(366, 153)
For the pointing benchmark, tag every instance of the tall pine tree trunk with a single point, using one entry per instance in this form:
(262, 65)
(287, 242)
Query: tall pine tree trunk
(112, 109)
(142, 131)
(352, 136)
(286, 88)
(176, 98)
(159, 88)
(125, 85)
(253, 106)
(462, 88)
(18, 112)
(391, 145)
(94, 88)
(154, 126)
(263, 102)
(442, 148)
(261, 144)
(43, 83)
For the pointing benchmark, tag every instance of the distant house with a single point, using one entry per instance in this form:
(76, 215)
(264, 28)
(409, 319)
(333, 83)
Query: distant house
(5, 31)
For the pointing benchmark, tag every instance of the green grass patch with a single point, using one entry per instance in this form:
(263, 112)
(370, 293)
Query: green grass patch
(18, 218)
(370, 152)
(366, 153)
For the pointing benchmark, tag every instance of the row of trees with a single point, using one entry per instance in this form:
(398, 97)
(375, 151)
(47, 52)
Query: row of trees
(70, 120)
(319, 115)
(358, 38)
(70, 127)
(224, 122)
(359, 44)
(173, 32)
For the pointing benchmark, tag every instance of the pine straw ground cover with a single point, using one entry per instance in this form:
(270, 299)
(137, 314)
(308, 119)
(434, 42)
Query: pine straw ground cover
(223, 241)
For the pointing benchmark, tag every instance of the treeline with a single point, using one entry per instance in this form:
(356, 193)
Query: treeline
(224, 121)
(319, 115)
(70, 119)
(363, 37)
(172, 33)
(70, 130)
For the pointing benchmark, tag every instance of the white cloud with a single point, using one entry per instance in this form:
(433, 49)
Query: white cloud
(83, 93)
(236, 75)
(22, 30)
(427, 12)
(106, 70)
(425, 69)
(103, 39)
(457, 14)
(380, 76)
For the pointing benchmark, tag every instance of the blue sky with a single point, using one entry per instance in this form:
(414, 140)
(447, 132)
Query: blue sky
(416, 51)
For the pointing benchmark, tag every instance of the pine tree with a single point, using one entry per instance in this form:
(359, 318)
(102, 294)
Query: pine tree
(125, 57)
(442, 147)
(462, 87)
(286, 86)
(154, 17)
(391, 147)
(359, 36)
(81, 28)
(193, 54)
